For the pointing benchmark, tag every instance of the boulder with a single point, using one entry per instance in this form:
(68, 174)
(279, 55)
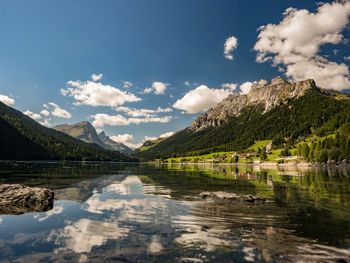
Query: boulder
(17, 199)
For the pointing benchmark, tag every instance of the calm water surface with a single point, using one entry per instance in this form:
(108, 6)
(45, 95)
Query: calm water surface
(153, 213)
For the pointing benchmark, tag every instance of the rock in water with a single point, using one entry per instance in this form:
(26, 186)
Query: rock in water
(17, 199)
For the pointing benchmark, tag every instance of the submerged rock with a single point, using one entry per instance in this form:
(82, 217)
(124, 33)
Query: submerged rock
(232, 197)
(17, 199)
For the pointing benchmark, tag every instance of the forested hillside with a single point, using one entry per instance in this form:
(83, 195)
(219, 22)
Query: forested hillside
(22, 138)
(314, 113)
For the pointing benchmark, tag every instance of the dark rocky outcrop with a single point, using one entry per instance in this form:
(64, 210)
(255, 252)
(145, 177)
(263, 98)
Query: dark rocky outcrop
(18, 199)
(225, 196)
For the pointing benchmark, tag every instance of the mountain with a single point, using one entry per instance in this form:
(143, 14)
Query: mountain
(82, 131)
(22, 138)
(149, 144)
(272, 94)
(110, 144)
(86, 132)
(278, 110)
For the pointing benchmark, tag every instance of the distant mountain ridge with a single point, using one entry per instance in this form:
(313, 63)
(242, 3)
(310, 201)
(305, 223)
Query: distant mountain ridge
(109, 143)
(22, 138)
(86, 132)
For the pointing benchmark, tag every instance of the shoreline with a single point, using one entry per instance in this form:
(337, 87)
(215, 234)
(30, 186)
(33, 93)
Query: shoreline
(340, 165)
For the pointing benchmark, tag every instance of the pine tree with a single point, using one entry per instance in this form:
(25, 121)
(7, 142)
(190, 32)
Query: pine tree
(263, 155)
(305, 150)
(311, 152)
(299, 150)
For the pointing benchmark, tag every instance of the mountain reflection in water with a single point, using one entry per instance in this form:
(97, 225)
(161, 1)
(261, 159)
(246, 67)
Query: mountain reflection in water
(153, 213)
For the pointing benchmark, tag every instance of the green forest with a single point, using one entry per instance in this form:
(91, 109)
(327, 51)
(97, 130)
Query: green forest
(22, 138)
(287, 125)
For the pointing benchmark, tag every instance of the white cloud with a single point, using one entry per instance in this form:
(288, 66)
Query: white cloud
(245, 87)
(232, 86)
(45, 112)
(34, 116)
(126, 139)
(201, 99)
(81, 236)
(157, 87)
(55, 211)
(126, 84)
(187, 83)
(45, 106)
(96, 77)
(6, 100)
(97, 94)
(142, 112)
(347, 58)
(230, 45)
(59, 112)
(166, 135)
(101, 119)
(296, 41)
(46, 122)
(150, 138)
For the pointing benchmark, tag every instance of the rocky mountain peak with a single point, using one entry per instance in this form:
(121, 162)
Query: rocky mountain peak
(279, 81)
(86, 132)
(269, 94)
(102, 134)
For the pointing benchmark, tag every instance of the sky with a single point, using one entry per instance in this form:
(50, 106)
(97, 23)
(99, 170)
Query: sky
(144, 69)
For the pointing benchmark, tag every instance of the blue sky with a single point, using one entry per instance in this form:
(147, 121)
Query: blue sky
(49, 51)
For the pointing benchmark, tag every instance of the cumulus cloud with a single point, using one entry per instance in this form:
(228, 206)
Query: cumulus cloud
(45, 112)
(126, 139)
(230, 44)
(55, 111)
(201, 99)
(245, 87)
(97, 94)
(96, 77)
(157, 87)
(295, 43)
(231, 86)
(150, 138)
(166, 135)
(59, 112)
(46, 122)
(347, 58)
(102, 119)
(126, 84)
(142, 112)
(34, 116)
(187, 83)
(6, 100)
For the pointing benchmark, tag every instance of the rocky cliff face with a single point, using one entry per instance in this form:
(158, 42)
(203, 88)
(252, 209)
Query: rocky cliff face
(268, 94)
(82, 130)
(112, 145)
(86, 132)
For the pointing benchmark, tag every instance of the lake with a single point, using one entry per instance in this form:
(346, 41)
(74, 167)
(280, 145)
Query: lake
(120, 212)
